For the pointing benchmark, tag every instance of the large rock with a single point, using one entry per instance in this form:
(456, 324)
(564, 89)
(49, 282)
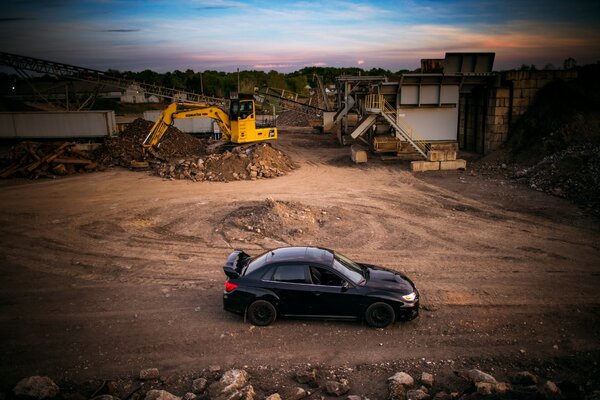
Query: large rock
(274, 396)
(296, 393)
(484, 388)
(502, 388)
(199, 385)
(402, 378)
(231, 381)
(105, 397)
(476, 376)
(160, 395)
(38, 387)
(398, 385)
(308, 376)
(427, 379)
(149, 374)
(337, 388)
(550, 391)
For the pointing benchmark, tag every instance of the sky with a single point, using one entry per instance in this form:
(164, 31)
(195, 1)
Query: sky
(286, 35)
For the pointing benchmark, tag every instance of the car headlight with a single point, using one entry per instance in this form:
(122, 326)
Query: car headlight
(410, 297)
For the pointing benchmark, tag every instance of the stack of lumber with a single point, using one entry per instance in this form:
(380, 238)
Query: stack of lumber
(46, 159)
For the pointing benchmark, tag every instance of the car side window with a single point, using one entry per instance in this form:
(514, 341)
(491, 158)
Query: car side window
(290, 273)
(322, 276)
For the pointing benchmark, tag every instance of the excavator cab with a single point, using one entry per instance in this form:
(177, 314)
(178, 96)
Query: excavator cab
(242, 115)
(241, 109)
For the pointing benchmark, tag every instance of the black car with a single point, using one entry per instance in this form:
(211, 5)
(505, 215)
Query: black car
(315, 282)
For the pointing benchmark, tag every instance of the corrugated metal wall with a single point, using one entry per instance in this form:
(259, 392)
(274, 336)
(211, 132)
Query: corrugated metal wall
(48, 125)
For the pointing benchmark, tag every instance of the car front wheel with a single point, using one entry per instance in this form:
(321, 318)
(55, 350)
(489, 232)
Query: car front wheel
(380, 315)
(261, 313)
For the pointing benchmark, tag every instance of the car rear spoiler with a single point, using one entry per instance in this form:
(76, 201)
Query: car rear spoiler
(234, 264)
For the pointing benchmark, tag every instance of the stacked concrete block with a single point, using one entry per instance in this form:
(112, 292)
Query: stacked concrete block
(422, 166)
(453, 165)
(359, 154)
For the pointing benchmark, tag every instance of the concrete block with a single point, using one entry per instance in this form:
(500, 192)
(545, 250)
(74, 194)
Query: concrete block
(359, 154)
(436, 155)
(444, 146)
(422, 166)
(453, 165)
(450, 155)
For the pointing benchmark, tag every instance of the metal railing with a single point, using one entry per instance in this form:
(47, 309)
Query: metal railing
(377, 103)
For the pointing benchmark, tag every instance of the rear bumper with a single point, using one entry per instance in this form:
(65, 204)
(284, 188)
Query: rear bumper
(233, 302)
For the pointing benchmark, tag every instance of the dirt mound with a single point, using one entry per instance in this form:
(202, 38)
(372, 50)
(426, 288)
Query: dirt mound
(573, 173)
(182, 156)
(251, 162)
(128, 145)
(292, 118)
(285, 221)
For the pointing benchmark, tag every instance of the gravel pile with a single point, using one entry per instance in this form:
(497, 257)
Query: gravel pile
(573, 173)
(292, 118)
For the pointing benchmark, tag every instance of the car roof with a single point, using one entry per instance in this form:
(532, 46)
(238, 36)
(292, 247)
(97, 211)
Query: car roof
(290, 254)
(305, 254)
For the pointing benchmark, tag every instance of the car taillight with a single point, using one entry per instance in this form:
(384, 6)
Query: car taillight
(230, 287)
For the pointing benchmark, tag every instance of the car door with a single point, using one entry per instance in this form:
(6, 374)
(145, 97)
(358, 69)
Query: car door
(333, 295)
(289, 281)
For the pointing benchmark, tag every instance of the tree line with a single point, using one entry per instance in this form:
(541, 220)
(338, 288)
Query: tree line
(221, 84)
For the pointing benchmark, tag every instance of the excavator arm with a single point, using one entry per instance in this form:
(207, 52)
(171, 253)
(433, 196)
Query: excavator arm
(186, 110)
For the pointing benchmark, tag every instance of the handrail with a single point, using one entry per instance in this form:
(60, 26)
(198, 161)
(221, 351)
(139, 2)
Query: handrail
(378, 103)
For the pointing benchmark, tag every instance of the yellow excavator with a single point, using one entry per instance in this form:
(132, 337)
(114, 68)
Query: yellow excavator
(238, 126)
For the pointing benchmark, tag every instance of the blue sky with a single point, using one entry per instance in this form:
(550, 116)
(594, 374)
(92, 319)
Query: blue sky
(288, 35)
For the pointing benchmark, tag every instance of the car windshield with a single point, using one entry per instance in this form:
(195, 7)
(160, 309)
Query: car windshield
(348, 268)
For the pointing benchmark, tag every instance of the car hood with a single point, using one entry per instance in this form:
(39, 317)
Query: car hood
(383, 278)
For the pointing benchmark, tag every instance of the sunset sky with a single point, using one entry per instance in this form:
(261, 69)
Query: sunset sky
(288, 35)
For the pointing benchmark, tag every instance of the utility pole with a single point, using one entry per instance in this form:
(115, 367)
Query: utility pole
(238, 72)
(201, 85)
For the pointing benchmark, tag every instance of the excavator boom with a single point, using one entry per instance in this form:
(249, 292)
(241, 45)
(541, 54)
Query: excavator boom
(186, 110)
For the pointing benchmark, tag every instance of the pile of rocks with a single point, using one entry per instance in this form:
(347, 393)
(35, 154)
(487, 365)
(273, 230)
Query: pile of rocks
(309, 382)
(252, 162)
(293, 118)
(121, 150)
(573, 173)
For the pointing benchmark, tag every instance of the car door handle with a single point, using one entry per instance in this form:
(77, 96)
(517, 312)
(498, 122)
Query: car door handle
(317, 293)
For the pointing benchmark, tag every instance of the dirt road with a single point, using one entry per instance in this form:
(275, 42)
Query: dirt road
(107, 273)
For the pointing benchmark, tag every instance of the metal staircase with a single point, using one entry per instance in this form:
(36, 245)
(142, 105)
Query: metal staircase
(22, 63)
(376, 104)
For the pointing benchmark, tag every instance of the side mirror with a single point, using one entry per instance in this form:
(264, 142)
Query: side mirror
(345, 286)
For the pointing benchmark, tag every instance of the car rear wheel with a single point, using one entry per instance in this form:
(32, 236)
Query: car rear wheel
(380, 315)
(261, 313)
